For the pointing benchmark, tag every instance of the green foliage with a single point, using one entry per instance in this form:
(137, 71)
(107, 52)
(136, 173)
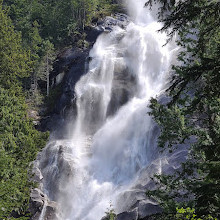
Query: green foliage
(189, 214)
(14, 61)
(19, 141)
(55, 23)
(181, 214)
(51, 99)
(110, 214)
(82, 43)
(56, 20)
(193, 112)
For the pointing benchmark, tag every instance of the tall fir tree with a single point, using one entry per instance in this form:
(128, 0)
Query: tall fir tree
(194, 109)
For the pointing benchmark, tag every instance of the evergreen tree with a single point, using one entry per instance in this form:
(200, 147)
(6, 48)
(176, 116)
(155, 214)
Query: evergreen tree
(46, 64)
(19, 141)
(55, 18)
(35, 41)
(194, 109)
(14, 61)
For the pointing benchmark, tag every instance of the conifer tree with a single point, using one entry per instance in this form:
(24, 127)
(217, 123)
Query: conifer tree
(194, 109)
(19, 141)
(46, 64)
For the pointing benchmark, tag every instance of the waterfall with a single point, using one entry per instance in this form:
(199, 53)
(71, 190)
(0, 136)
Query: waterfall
(112, 137)
(42, 215)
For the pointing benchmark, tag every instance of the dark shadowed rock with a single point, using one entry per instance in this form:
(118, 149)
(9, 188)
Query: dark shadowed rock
(41, 205)
(71, 63)
(132, 215)
(36, 201)
(124, 87)
(50, 212)
(145, 209)
(105, 218)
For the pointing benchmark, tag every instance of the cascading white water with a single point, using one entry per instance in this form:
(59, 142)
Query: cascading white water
(111, 139)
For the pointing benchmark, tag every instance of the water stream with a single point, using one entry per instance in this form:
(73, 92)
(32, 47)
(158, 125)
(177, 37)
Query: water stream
(112, 137)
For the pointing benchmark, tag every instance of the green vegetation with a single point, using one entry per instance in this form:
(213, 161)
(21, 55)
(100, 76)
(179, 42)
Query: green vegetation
(57, 21)
(182, 214)
(46, 27)
(19, 141)
(110, 214)
(189, 214)
(19, 144)
(193, 114)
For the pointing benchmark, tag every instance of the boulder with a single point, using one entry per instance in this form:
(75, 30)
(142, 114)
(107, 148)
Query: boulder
(36, 201)
(120, 20)
(131, 215)
(50, 211)
(105, 218)
(146, 208)
(37, 175)
(41, 206)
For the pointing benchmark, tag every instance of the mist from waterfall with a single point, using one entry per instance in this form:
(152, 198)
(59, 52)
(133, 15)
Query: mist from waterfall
(112, 136)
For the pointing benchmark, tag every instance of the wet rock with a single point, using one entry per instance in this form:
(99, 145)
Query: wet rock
(124, 87)
(120, 20)
(105, 218)
(36, 201)
(50, 212)
(136, 196)
(37, 175)
(41, 205)
(71, 63)
(65, 166)
(132, 215)
(148, 208)
(75, 61)
(56, 166)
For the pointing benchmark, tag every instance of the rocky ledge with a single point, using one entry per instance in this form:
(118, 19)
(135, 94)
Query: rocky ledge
(41, 207)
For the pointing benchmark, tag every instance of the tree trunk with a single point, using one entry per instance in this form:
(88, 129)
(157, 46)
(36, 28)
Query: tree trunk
(48, 76)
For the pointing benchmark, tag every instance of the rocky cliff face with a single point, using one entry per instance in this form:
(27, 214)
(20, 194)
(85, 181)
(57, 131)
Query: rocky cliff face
(138, 206)
(70, 65)
(41, 205)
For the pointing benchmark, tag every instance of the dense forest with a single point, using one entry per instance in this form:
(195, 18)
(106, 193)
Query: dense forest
(19, 141)
(32, 32)
(193, 113)
(48, 26)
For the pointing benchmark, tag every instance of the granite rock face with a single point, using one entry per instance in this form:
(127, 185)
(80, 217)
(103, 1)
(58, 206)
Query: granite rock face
(135, 198)
(70, 65)
(130, 215)
(74, 61)
(41, 206)
(120, 20)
